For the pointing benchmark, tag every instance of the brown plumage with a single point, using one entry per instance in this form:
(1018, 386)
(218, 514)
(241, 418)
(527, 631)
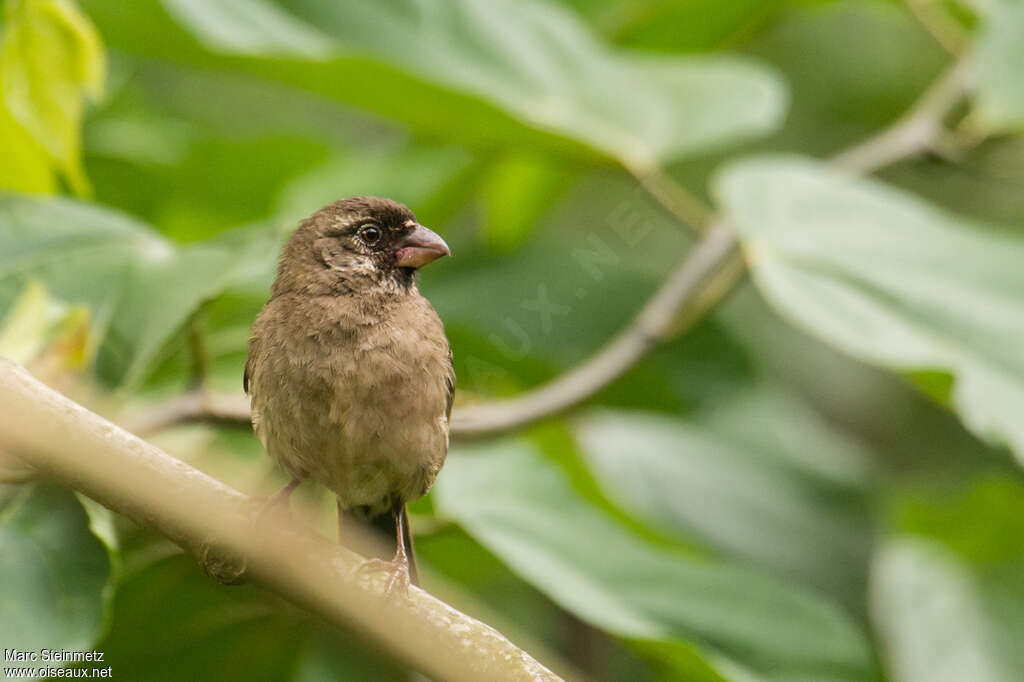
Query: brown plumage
(349, 370)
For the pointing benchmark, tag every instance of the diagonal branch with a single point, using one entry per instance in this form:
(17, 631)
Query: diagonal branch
(656, 323)
(67, 442)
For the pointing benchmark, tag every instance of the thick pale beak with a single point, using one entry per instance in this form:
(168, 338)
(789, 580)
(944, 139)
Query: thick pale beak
(419, 247)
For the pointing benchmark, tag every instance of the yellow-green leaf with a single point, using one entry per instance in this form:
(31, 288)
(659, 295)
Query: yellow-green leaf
(36, 322)
(51, 60)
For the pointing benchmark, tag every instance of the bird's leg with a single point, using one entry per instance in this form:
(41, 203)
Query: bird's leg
(397, 568)
(281, 497)
(400, 569)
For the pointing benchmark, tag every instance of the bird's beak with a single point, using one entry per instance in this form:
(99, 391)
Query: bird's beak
(419, 247)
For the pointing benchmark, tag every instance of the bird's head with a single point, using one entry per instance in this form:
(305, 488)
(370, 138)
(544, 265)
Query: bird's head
(354, 244)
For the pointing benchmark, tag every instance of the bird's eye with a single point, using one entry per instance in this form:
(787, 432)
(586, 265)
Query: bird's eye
(370, 234)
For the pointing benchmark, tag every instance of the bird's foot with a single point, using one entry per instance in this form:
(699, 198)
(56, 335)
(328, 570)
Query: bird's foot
(398, 575)
(222, 565)
(276, 503)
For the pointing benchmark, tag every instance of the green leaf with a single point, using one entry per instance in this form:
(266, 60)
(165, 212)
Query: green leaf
(120, 269)
(983, 522)
(468, 71)
(889, 279)
(689, 25)
(411, 175)
(171, 622)
(25, 166)
(934, 619)
(51, 59)
(53, 571)
(521, 507)
(999, 90)
(947, 588)
(250, 27)
(761, 478)
(517, 190)
(36, 321)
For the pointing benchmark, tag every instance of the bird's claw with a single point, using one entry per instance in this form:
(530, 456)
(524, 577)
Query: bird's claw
(398, 575)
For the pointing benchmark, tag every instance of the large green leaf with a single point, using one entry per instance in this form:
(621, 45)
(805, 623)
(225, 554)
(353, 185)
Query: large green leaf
(521, 506)
(51, 58)
(53, 571)
(760, 477)
(675, 25)
(889, 279)
(137, 284)
(481, 72)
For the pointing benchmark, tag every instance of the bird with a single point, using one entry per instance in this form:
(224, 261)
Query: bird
(349, 371)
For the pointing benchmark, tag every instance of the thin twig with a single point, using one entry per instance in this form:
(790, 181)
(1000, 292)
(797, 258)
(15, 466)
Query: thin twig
(913, 133)
(197, 405)
(701, 279)
(674, 198)
(233, 537)
(651, 327)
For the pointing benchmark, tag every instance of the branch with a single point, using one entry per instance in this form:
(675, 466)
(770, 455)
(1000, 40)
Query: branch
(195, 406)
(702, 278)
(67, 442)
(656, 323)
(674, 198)
(913, 133)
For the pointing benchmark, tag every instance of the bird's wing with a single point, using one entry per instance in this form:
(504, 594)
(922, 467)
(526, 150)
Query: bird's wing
(250, 363)
(450, 383)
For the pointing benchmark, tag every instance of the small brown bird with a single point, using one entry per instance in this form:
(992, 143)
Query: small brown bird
(349, 370)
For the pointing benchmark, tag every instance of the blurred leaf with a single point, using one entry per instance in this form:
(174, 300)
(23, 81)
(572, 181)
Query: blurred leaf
(250, 27)
(761, 478)
(221, 184)
(25, 166)
(948, 586)
(851, 66)
(982, 520)
(120, 269)
(588, 267)
(410, 174)
(517, 189)
(171, 622)
(905, 429)
(332, 656)
(890, 280)
(35, 322)
(520, 506)
(476, 72)
(688, 25)
(999, 96)
(933, 620)
(53, 571)
(51, 58)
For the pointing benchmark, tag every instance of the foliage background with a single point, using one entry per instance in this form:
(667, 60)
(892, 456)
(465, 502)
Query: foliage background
(818, 482)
